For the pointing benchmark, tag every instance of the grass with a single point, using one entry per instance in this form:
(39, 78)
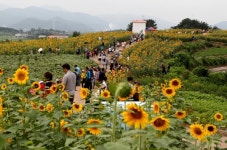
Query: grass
(211, 52)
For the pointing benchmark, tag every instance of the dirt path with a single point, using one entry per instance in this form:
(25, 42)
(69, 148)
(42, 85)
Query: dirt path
(219, 69)
(77, 98)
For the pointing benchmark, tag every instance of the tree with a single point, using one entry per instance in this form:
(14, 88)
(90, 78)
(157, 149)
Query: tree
(151, 23)
(129, 28)
(215, 28)
(192, 24)
(75, 34)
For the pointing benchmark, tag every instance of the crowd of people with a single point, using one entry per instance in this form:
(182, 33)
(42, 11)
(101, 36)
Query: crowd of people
(73, 78)
(87, 77)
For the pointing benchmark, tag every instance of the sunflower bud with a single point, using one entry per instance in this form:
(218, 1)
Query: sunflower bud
(123, 90)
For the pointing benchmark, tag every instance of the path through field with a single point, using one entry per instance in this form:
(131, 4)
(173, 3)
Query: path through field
(77, 97)
(219, 69)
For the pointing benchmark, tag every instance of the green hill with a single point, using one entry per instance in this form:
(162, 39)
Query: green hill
(7, 31)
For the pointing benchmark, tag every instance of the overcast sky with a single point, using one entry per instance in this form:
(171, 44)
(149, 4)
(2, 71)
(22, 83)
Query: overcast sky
(210, 11)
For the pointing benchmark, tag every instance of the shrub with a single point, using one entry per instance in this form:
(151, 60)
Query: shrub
(218, 78)
(201, 71)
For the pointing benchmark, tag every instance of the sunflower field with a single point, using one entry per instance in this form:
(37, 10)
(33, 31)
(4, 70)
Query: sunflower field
(29, 119)
(162, 118)
(69, 45)
(146, 57)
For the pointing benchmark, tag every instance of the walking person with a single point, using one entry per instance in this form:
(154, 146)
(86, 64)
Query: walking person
(78, 75)
(69, 80)
(88, 79)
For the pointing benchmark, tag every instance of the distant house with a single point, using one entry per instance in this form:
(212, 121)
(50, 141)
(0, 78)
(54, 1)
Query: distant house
(138, 26)
(42, 36)
(58, 36)
(21, 35)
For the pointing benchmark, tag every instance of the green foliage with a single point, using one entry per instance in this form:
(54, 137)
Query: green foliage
(201, 71)
(184, 59)
(211, 52)
(176, 72)
(75, 34)
(213, 61)
(151, 23)
(123, 90)
(218, 78)
(195, 46)
(129, 27)
(203, 106)
(112, 87)
(39, 64)
(192, 24)
(4, 30)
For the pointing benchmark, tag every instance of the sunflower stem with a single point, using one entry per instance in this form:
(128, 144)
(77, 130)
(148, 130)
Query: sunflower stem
(140, 142)
(114, 121)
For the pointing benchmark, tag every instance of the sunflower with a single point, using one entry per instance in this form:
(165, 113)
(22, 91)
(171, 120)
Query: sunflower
(35, 86)
(180, 114)
(80, 132)
(61, 87)
(62, 123)
(156, 83)
(49, 107)
(197, 131)
(135, 116)
(163, 85)
(67, 130)
(160, 123)
(3, 86)
(77, 107)
(101, 107)
(105, 94)
(34, 105)
(41, 107)
(21, 76)
(156, 107)
(210, 129)
(90, 147)
(175, 83)
(53, 88)
(24, 67)
(84, 92)
(67, 113)
(65, 95)
(133, 91)
(94, 130)
(168, 92)
(9, 140)
(218, 116)
(123, 98)
(1, 110)
(1, 71)
(168, 106)
(10, 80)
(20, 110)
(52, 125)
(1, 100)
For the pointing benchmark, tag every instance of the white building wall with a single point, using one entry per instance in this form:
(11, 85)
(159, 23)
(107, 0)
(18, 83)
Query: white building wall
(138, 26)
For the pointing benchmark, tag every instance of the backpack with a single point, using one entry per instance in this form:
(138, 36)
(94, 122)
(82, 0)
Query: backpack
(88, 75)
(91, 73)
